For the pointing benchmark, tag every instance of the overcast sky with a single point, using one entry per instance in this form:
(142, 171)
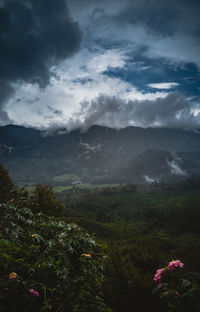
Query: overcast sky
(117, 63)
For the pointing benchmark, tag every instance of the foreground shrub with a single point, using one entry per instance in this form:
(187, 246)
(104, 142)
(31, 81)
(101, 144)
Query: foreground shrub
(179, 293)
(46, 264)
(7, 187)
(45, 201)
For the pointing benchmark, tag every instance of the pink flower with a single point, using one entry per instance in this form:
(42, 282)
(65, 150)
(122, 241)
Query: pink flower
(157, 277)
(32, 291)
(35, 293)
(175, 264)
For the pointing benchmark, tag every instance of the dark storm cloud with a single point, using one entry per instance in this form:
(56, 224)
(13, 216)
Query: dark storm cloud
(161, 16)
(34, 36)
(175, 111)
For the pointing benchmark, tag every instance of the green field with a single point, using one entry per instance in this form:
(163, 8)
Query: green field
(62, 188)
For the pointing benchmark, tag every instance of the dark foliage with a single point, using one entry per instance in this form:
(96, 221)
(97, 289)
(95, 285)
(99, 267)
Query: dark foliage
(7, 187)
(140, 229)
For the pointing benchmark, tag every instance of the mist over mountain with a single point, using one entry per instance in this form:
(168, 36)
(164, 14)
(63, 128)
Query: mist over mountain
(100, 155)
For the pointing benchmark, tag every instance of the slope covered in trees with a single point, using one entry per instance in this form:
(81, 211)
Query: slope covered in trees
(48, 263)
(144, 228)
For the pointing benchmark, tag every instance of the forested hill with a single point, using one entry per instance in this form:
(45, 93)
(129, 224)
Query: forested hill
(99, 155)
(142, 252)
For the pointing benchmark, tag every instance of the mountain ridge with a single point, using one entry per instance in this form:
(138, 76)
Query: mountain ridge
(99, 155)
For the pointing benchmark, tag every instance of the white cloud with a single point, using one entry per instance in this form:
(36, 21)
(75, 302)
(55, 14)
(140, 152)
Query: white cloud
(80, 79)
(174, 111)
(148, 179)
(178, 47)
(175, 168)
(109, 59)
(163, 85)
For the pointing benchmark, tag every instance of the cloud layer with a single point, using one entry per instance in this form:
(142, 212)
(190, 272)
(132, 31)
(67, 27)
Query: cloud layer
(34, 36)
(174, 111)
(133, 63)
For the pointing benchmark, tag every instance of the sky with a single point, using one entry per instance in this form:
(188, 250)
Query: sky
(76, 63)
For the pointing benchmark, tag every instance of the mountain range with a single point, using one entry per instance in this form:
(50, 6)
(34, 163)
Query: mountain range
(99, 155)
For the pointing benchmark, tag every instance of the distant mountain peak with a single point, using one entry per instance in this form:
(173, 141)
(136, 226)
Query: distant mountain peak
(99, 155)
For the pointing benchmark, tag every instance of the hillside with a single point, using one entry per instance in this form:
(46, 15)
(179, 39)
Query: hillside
(98, 249)
(100, 155)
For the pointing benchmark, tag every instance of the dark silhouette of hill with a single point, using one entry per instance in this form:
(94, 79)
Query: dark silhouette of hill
(100, 155)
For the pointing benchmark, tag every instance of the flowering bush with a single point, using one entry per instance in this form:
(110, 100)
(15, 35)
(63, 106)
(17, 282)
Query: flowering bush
(178, 292)
(171, 266)
(46, 264)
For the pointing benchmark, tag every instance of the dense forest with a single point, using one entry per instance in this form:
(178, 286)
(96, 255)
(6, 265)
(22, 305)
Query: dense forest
(115, 248)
